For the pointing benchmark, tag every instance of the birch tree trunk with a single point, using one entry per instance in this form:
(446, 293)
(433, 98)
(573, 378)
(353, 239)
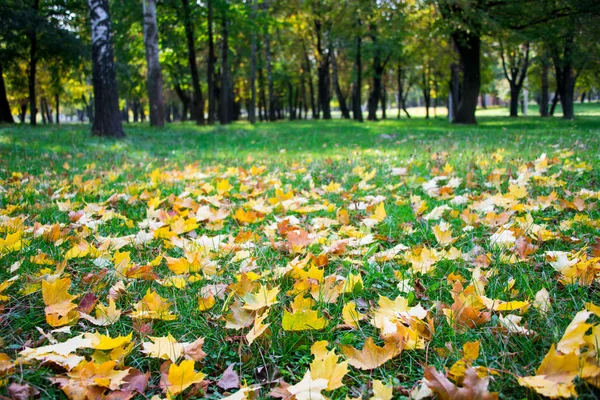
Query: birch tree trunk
(107, 117)
(154, 76)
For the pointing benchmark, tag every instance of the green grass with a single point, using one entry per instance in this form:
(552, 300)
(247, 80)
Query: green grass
(41, 166)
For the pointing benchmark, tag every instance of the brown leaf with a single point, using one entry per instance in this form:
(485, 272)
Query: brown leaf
(230, 379)
(281, 392)
(474, 388)
(194, 351)
(87, 303)
(22, 391)
(136, 381)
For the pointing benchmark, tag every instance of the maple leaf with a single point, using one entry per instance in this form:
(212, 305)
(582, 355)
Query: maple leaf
(542, 301)
(84, 380)
(193, 351)
(308, 388)
(258, 328)
(371, 356)
(262, 298)
(104, 315)
(103, 342)
(166, 348)
(180, 377)
(473, 386)
(325, 365)
(443, 234)
(230, 379)
(153, 306)
(554, 377)
(302, 320)
(350, 315)
(381, 391)
(60, 309)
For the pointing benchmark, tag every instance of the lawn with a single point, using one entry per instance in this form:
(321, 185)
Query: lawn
(207, 261)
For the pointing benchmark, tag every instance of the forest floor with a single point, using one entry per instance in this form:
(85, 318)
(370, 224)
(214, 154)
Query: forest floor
(430, 257)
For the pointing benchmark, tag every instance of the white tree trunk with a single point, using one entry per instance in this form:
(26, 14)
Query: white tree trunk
(107, 120)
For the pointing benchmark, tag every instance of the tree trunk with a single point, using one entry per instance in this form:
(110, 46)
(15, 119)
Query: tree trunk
(383, 97)
(107, 118)
(336, 84)
(271, 103)
(263, 107)
(32, 68)
(583, 97)
(514, 100)
(357, 84)
(323, 73)
(5, 113)
(57, 101)
(43, 111)
(154, 75)
(47, 110)
(224, 108)
(311, 88)
(426, 92)
(544, 88)
(468, 45)
(197, 100)
(554, 102)
(23, 113)
(212, 59)
(252, 106)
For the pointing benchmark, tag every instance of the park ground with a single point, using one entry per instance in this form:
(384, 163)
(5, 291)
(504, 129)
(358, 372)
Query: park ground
(485, 236)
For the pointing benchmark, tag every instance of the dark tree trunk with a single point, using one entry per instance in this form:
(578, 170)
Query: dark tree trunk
(57, 101)
(32, 68)
(515, 74)
(400, 83)
(262, 109)
(544, 87)
(383, 101)
(271, 104)
(5, 114)
(426, 92)
(565, 76)
(323, 73)
(43, 111)
(468, 45)
(212, 59)
(23, 113)
(225, 107)
(357, 84)
(252, 106)
(554, 102)
(136, 111)
(583, 97)
(197, 100)
(378, 68)
(311, 88)
(514, 100)
(336, 84)
(107, 118)
(154, 75)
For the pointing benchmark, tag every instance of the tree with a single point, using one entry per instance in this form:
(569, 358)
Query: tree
(107, 121)
(515, 61)
(252, 106)
(357, 84)
(197, 100)
(154, 74)
(5, 113)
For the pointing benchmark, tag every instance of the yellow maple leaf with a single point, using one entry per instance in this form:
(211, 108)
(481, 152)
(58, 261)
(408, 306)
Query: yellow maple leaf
(104, 315)
(308, 388)
(302, 320)
(443, 234)
(258, 328)
(262, 298)
(152, 306)
(325, 365)
(59, 307)
(166, 348)
(371, 356)
(181, 376)
(104, 342)
(554, 377)
(381, 391)
(350, 315)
